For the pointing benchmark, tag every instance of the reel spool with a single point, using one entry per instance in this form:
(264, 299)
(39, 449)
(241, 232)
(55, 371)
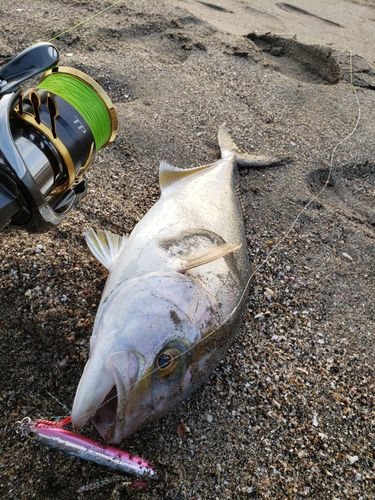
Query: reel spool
(49, 136)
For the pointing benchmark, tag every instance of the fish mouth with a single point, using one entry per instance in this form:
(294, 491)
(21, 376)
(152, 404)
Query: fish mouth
(115, 405)
(120, 412)
(104, 419)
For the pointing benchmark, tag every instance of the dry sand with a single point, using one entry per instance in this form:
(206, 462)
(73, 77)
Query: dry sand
(290, 412)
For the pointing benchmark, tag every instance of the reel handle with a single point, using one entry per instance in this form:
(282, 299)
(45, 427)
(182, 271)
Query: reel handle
(30, 62)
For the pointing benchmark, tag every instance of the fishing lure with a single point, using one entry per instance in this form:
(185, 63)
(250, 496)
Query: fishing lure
(54, 435)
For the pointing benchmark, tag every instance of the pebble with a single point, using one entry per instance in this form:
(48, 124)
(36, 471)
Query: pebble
(352, 458)
(347, 256)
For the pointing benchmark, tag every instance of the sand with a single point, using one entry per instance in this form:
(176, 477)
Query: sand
(289, 413)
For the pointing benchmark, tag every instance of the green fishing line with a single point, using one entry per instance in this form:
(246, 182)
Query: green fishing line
(85, 100)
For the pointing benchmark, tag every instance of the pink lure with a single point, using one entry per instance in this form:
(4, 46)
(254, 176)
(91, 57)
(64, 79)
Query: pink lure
(52, 434)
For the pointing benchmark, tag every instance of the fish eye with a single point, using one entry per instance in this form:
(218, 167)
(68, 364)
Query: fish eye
(167, 361)
(164, 360)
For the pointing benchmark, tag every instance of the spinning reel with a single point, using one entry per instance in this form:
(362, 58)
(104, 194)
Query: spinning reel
(49, 136)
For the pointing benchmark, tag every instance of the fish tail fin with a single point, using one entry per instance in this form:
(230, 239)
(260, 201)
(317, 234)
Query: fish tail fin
(104, 245)
(245, 160)
(226, 143)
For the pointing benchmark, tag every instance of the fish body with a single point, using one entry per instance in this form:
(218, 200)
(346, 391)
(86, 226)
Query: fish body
(173, 300)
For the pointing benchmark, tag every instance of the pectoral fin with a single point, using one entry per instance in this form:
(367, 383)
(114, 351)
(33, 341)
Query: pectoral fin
(207, 255)
(105, 246)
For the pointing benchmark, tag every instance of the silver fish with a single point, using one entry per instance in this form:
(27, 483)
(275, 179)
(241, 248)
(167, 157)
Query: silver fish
(174, 298)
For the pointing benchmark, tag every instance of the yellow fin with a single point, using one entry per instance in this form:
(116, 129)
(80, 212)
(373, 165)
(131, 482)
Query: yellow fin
(105, 246)
(207, 255)
(226, 143)
(169, 174)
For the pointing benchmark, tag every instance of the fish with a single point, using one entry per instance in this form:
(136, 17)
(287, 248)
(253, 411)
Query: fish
(174, 298)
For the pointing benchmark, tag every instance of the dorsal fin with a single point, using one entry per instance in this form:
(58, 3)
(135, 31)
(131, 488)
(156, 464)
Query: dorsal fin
(207, 255)
(105, 246)
(169, 174)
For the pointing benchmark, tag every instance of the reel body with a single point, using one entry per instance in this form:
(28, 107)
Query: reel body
(49, 136)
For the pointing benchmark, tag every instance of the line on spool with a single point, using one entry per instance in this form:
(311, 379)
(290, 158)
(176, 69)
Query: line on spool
(87, 97)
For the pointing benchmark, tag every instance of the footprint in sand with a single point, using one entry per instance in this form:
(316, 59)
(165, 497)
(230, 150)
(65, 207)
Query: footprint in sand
(350, 190)
(314, 63)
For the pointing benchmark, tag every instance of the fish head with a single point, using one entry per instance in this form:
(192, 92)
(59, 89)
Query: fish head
(140, 363)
